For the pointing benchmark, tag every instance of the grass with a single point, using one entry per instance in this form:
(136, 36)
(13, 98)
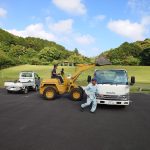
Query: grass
(142, 74)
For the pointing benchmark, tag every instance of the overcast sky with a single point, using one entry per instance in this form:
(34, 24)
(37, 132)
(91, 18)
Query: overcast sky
(92, 26)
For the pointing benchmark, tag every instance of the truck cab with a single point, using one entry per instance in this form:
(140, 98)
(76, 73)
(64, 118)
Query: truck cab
(113, 87)
(29, 76)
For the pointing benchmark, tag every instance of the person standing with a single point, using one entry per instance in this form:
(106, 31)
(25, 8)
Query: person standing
(91, 90)
(62, 72)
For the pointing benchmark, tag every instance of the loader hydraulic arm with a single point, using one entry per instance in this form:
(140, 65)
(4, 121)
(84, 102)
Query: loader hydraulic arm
(81, 68)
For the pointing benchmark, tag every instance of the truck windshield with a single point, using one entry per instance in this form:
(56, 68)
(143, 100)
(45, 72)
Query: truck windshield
(111, 77)
(26, 74)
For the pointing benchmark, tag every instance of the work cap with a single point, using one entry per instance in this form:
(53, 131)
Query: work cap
(94, 79)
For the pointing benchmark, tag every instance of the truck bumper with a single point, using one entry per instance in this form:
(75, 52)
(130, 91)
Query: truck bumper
(15, 89)
(113, 102)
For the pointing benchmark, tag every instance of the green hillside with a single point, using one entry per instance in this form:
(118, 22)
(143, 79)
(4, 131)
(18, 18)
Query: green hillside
(137, 53)
(16, 50)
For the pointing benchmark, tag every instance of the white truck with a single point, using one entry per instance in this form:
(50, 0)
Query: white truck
(28, 80)
(113, 86)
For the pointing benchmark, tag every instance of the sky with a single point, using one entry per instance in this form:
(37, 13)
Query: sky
(91, 26)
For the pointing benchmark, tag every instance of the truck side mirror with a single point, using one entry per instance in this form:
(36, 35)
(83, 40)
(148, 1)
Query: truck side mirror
(89, 78)
(132, 80)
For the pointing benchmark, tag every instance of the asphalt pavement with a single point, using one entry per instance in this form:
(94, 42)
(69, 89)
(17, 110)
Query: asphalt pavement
(27, 122)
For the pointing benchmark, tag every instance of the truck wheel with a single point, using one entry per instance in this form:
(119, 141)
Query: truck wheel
(76, 94)
(8, 91)
(50, 93)
(26, 90)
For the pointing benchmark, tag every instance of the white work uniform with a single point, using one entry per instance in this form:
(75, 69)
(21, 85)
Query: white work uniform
(91, 91)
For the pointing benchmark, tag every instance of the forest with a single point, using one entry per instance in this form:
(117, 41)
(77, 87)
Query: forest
(16, 50)
(134, 54)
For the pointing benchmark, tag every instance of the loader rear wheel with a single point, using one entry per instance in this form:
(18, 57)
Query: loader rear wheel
(50, 93)
(76, 94)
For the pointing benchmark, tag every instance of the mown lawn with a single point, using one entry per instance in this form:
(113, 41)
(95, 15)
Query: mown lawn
(142, 74)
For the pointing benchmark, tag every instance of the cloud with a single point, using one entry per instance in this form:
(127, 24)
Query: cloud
(61, 32)
(48, 19)
(146, 20)
(96, 20)
(34, 30)
(85, 39)
(100, 17)
(141, 7)
(3, 13)
(146, 23)
(71, 6)
(125, 28)
(62, 26)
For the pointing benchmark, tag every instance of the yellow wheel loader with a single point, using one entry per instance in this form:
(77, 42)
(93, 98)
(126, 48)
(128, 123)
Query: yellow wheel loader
(50, 88)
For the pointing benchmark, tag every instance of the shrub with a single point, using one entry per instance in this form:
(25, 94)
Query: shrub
(130, 60)
(35, 61)
(5, 61)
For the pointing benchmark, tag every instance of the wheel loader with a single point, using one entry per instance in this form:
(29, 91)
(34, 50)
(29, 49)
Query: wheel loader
(51, 88)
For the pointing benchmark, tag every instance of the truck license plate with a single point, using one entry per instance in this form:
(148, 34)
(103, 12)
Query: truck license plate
(111, 102)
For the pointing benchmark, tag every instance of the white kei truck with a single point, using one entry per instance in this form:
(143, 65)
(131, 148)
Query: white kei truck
(113, 86)
(28, 80)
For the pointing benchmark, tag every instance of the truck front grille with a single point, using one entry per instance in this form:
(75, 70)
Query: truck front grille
(111, 97)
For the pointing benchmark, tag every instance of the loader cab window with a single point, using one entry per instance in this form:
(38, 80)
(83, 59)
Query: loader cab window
(111, 77)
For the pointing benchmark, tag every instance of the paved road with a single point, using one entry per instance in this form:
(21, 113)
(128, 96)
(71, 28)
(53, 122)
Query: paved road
(28, 122)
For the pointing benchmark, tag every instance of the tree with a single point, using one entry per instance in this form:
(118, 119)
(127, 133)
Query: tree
(5, 61)
(131, 61)
(76, 51)
(125, 54)
(76, 59)
(145, 57)
(4, 47)
(17, 50)
(31, 52)
(35, 61)
(49, 54)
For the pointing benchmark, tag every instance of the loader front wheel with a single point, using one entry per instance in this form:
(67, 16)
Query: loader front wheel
(76, 94)
(50, 93)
